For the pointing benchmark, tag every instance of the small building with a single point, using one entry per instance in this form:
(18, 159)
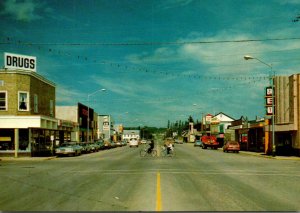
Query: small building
(78, 115)
(128, 134)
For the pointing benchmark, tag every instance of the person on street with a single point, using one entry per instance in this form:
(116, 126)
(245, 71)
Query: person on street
(169, 146)
(151, 146)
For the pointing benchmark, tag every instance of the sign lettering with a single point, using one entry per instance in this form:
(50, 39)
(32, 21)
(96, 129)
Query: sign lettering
(15, 61)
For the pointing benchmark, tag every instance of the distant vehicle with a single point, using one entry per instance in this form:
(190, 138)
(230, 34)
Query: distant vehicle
(118, 144)
(143, 141)
(113, 144)
(178, 141)
(95, 147)
(86, 147)
(69, 149)
(100, 144)
(124, 143)
(232, 146)
(209, 141)
(133, 142)
(198, 143)
(107, 144)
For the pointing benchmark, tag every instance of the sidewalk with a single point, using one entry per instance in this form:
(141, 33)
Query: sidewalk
(261, 154)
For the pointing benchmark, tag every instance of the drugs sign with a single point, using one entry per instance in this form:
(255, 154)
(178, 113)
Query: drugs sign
(16, 61)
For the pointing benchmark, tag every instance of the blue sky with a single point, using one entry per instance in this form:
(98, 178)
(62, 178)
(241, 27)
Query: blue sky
(158, 60)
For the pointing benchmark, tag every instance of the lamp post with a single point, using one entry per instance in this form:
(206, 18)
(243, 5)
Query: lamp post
(88, 119)
(272, 78)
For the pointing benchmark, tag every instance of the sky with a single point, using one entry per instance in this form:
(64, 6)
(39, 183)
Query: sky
(157, 60)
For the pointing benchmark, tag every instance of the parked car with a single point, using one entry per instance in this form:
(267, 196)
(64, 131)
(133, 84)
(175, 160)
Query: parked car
(100, 144)
(133, 142)
(94, 147)
(233, 146)
(124, 143)
(86, 147)
(118, 144)
(113, 144)
(178, 141)
(107, 144)
(143, 141)
(69, 149)
(198, 143)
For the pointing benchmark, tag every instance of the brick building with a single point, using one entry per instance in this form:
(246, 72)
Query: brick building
(27, 113)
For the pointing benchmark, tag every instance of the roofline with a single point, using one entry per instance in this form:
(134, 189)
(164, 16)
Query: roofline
(30, 73)
(224, 114)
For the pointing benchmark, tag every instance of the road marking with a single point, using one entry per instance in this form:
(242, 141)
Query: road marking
(158, 192)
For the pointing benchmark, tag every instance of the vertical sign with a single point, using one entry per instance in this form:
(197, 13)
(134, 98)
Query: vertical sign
(269, 101)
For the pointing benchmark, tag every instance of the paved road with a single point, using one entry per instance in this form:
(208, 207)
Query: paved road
(120, 180)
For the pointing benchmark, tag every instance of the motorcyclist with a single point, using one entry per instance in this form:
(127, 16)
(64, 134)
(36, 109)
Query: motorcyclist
(151, 146)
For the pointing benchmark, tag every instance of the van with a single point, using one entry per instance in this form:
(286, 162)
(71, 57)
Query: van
(133, 142)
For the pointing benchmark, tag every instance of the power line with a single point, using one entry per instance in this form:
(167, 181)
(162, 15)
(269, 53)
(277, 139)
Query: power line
(145, 43)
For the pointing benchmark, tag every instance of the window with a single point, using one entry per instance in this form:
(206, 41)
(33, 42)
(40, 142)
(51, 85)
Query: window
(36, 103)
(23, 101)
(51, 108)
(3, 100)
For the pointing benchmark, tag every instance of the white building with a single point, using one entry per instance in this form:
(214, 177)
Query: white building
(128, 134)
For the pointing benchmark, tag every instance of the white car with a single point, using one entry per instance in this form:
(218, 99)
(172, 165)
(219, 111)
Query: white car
(133, 142)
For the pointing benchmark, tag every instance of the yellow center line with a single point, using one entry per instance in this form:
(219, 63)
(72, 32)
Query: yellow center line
(158, 192)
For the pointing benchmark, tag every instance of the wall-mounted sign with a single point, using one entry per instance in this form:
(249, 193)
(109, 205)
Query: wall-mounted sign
(208, 118)
(16, 61)
(269, 101)
(106, 125)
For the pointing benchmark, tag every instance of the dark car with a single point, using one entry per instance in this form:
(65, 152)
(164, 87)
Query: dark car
(231, 146)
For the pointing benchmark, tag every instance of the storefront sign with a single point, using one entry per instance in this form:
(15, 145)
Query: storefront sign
(269, 100)
(16, 61)
(106, 126)
(208, 118)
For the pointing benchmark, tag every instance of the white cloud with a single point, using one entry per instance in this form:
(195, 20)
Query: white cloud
(22, 10)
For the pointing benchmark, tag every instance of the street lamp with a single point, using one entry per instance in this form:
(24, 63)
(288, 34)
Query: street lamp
(88, 119)
(272, 78)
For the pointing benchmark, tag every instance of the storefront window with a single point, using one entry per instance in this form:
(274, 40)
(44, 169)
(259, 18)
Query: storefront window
(23, 139)
(7, 139)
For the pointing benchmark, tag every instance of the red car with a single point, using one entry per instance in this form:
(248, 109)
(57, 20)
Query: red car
(231, 146)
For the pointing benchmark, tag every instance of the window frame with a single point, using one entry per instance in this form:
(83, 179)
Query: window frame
(26, 101)
(6, 101)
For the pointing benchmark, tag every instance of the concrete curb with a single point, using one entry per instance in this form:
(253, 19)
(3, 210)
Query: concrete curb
(3, 159)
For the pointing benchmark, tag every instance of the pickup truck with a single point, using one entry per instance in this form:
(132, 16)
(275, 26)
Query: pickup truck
(209, 141)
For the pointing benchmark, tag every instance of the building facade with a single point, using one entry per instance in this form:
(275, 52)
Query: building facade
(80, 114)
(287, 114)
(105, 127)
(27, 113)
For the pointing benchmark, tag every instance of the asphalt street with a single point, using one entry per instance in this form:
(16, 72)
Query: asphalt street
(120, 180)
